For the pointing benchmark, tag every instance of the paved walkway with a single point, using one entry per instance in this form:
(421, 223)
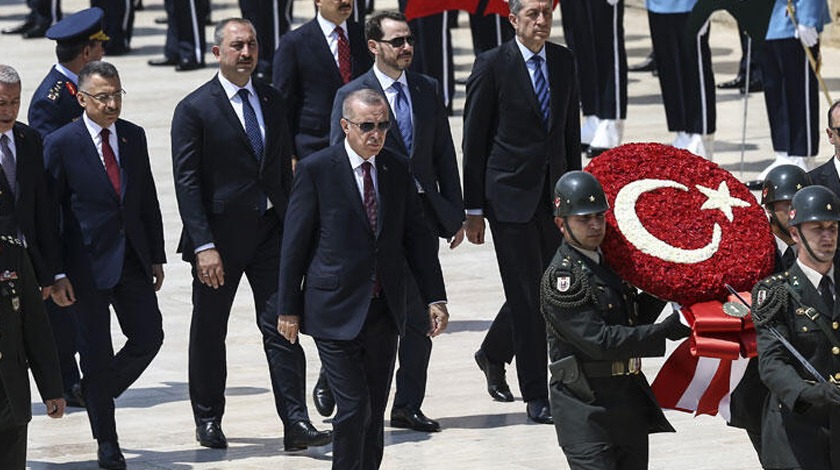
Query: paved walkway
(154, 417)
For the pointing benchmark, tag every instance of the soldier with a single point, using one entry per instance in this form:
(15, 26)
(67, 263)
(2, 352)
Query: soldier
(598, 328)
(800, 304)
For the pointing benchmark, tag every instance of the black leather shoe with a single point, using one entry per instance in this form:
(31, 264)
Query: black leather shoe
(411, 419)
(161, 20)
(74, 397)
(162, 62)
(303, 434)
(647, 65)
(593, 152)
(37, 31)
(323, 397)
(539, 412)
(19, 29)
(755, 86)
(109, 456)
(737, 82)
(187, 66)
(209, 434)
(497, 386)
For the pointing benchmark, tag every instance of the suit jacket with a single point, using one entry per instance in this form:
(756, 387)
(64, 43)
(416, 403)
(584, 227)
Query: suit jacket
(826, 175)
(97, 225)
(307, 76)
(330, 257)
(218, 180)
(54, 103)
(26, 341)
(611, 324)
(35, 209)
(508, 151)
(432, 161)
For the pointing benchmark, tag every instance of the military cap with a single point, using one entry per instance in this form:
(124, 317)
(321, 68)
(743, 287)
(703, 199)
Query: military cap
(85, 25)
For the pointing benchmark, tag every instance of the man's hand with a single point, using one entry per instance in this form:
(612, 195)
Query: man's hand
(456, 239)
(821, 394)
(157, 275)
(62, 293)
(438, 319)
(55, 407)
(209, 269)
(289, 326)
(474, 226)
(45, 292)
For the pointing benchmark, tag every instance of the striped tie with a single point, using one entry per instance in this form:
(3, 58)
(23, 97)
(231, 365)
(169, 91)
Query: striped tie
(541, 87)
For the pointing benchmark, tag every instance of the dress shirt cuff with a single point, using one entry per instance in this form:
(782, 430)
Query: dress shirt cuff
(205, 247)
(437, 302)
(60, 276)
(475, 212)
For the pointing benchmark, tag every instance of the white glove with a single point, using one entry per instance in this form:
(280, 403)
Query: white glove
(807, 34)
(612, 2)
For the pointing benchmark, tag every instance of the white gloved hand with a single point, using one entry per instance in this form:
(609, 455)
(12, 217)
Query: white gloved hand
(612, 2)
(807, 34)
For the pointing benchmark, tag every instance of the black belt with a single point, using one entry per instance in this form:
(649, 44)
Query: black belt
(599, 369)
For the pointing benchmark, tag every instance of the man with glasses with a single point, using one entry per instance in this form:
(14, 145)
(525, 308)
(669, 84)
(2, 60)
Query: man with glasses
(354, 219)
(112, 246)
(420, 135)
(828, 174)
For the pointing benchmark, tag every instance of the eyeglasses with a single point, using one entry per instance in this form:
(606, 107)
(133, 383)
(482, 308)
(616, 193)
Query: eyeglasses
(106, 98)
(366, 127)
(399, 42)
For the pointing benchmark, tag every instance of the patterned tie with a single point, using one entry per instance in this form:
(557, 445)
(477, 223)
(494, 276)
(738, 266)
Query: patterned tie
(7, 161)
(252, 126)
(541, 88)
(344, 61)
(403, 114)
(370, 208)
(110, 158)
(827, 293)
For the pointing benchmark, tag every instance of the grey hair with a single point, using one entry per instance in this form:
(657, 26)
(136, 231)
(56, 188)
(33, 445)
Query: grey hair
(515, 6)
(97, 67)
(367, 96)
(8, 75)
(219, 32)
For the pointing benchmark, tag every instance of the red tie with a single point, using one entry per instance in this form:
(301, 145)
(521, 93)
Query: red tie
(344, 66)
(111, 166)
(370, 208)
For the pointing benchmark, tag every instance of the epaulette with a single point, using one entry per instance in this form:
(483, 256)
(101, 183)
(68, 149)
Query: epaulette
(11, 240)
(770, 296)
(55, 91)
(566, 285)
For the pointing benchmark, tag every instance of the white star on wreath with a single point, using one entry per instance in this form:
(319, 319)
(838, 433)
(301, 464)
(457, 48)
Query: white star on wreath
(721, 199)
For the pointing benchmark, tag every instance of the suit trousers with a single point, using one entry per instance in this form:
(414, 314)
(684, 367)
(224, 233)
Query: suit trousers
(524, 251)
(791, 94)
(63, 322)
(359, 373)
(595, 33)
(607, 456)
(685, 75)
(107, 375)
(118, 24)
(185, 40)
(488, 31)
(211, 310)
(13, 447)
(44, 12)
(272, 19)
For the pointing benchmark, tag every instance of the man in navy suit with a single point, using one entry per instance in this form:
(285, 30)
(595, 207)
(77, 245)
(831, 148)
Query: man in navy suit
(421, 136)
(311, 64)
(112, 249)
(828, 174)
(354, 219)
(521, 133)
(231, 154)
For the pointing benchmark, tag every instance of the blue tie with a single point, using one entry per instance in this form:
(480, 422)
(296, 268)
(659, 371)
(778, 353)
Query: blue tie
(541, 88)
(403, 114)
(252, 126)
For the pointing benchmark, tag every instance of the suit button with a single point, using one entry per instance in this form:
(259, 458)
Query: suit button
(1, 355)
(837, 376)
(835, 350)
(804, 329)
(835, 325)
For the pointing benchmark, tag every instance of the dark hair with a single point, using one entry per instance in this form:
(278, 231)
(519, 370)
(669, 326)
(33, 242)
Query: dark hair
(367, 96)
(373, 27)
(97, 67)
(68, 50)
(219, 31)
(831, 110)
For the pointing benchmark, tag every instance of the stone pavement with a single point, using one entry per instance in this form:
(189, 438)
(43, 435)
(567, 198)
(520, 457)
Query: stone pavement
(154, 418)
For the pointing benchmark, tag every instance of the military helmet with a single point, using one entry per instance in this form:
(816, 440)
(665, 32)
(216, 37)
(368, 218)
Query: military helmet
(579, 193)
(814, 204)
(782, 183)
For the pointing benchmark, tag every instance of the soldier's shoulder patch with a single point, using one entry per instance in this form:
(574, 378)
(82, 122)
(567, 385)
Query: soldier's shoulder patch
(11, 240)
(565, 285)
(770, 294)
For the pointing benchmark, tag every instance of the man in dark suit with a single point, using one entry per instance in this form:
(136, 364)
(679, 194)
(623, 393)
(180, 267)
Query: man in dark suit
(354, 219)
(231, 153)
(25, 343)
(421, 136)
(185, 43)
(827, 174)
(112, 246)
(521, 132)
(311, 64)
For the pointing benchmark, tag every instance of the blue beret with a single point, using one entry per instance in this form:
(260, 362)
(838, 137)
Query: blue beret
(80, 26)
